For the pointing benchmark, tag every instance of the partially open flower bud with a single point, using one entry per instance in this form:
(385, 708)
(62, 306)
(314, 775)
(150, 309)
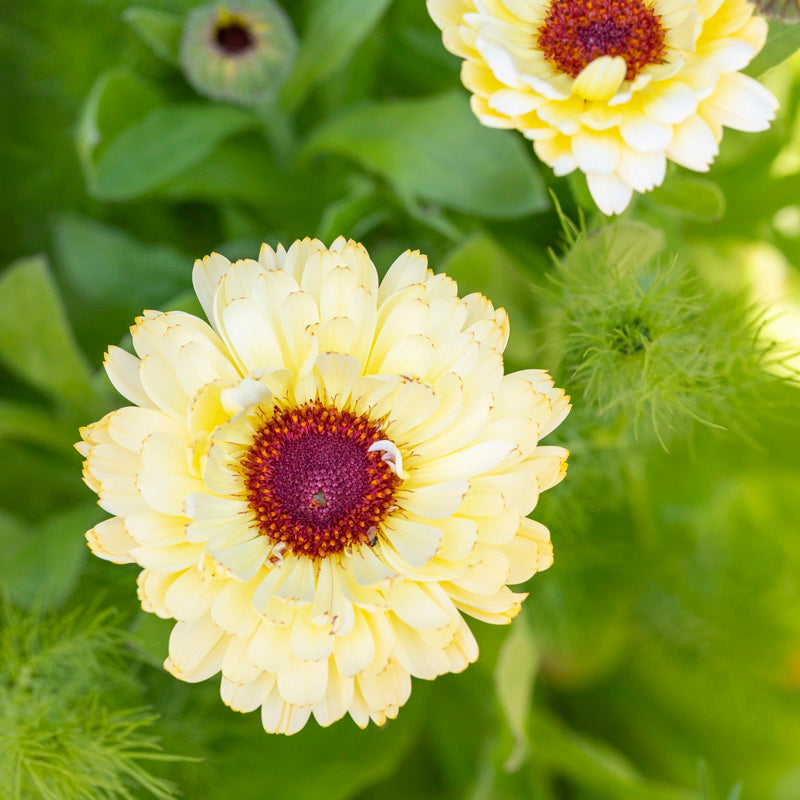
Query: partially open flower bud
(240, 51)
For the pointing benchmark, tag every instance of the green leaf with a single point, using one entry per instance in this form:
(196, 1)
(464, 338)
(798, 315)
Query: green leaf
(117, 98)
(107, 267)
(160, 30)
(30, 424)
(162, 145)
(436, 150)
(333, 31)
(112, 277)
(36, 341)
(43, 560)
(783, 40)
(514, 675)
(691, 197)
(353, 215)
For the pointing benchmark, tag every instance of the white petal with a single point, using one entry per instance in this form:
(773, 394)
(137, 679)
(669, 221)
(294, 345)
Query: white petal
(693, 145)
(196, 650)
(601, 78)
(671, 104)
(122, 369)
(611, 194)
(434, 501)
(111, 541)
(742, 103)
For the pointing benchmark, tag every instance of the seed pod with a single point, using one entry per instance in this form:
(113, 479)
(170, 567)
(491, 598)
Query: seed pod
(240, 51)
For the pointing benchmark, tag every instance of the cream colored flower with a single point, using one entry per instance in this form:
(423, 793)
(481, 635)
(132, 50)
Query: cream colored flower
(613, 88)
(318, 484)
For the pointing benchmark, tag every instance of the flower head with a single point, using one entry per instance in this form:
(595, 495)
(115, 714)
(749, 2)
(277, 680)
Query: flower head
(240, 51)
(613, 88)
(323, 480)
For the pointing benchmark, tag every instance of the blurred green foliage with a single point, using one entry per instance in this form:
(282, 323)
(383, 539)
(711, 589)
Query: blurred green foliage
(659, 659)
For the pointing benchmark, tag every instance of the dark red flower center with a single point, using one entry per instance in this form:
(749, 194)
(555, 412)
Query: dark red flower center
(313, 482)
(233, 37)
(575, 32)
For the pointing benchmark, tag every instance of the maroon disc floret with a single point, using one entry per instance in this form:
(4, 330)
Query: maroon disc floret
(575, 32)
(312, 482)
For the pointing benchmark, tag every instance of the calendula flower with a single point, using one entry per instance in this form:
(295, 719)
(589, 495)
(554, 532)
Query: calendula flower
(613, 88)
(240, 51)
(323, 480)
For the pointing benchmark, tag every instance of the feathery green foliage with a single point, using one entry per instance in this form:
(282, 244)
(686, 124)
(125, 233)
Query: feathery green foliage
(63, 735)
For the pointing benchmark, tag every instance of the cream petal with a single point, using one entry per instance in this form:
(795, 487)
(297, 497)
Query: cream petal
(298, 584)
(417, 654)
(161, 384)
(416, 542)
(556, 153)
(418, 606)
(601, 78)
(530, 551)
(368, 569)
(169, 559)
(331, 607)
(498, 609)
(355, 651)
(129, 426)
(642, 171)
(338, 373)
(248, 696)
(459, 539)
(486, 575)
(434, 501)
(278, 716)
(513, 102)
(302, 683)
(410, 356)
(156, 530)
(151, 588)
(191, 594)
(671, 104)
(250, 335)
(741, 103)
(206, 276)
(120, 496)
(270, 646)
(237, 668)
(111, 541)
(337, 699)
(596, 152)
(385, 692)
(311, 642)
(731, 54)
(196, 650)
(611, 193)
(693, 146)
(645, 135)
(473, 460)
(122, 369)
(233, 608)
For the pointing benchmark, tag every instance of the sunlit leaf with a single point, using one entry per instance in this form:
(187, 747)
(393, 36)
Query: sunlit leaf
(514, 676)
(436, 150)
(36, 341)
(162, 145)
(333, 31)
(782, 41)
(691, 197)
(158, 29)
(43, 560)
